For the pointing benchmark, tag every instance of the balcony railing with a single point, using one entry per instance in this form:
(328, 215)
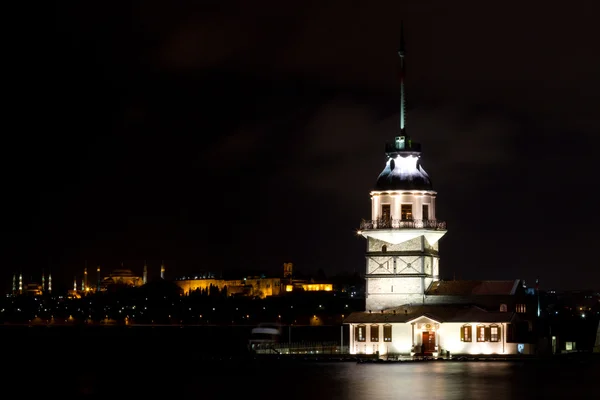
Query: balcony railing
(403, 224)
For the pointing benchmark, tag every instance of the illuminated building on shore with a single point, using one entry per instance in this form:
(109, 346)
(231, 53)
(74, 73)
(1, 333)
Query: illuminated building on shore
(408, 309)
(121, 277)
(252, 286)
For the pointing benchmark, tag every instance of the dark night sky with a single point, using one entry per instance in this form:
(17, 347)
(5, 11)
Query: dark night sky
(223, 135)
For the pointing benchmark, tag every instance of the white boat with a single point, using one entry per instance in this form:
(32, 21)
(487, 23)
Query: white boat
(264, 338)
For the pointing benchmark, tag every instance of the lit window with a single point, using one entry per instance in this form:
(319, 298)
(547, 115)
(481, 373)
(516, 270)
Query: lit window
(374, 333)
(494, 333)
(360, 333)
(520, 308)
(386, 216)
(481, 333)
(465, 333)
(406, 212)
(387, 333)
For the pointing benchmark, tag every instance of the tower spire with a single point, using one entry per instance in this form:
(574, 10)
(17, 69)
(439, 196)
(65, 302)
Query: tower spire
(145, 277)
(401, 53)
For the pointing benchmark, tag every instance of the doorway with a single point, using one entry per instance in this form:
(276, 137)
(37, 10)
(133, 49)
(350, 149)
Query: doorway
(428, 342)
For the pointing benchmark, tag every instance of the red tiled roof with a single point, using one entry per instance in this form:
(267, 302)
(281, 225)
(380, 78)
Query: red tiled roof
(440, 313)
(465, 288)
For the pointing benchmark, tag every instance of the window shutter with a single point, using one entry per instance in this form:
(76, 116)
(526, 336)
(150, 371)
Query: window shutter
(509, 332)
(462, 333)
(488, 333)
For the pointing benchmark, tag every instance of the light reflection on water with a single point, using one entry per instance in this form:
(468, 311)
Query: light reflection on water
(428, 381)
(349, 380)
(466, 380)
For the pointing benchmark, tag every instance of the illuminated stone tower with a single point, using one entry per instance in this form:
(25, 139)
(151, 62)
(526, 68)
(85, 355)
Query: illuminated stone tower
(403, 232)
(75, 283)
(14, 284)
(162, 270)
(20, 283)
(145, 276)
(49, 282)
(43, 281)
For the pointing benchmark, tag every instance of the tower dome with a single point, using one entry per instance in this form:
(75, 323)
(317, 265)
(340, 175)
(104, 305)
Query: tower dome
(403, 170)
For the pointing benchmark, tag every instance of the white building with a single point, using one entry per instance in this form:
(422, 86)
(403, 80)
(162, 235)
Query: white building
(408, 309)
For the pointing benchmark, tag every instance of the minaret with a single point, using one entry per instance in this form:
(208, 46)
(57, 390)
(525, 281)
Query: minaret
(14, 284)
(84, 284)
(403, 232)
(75, 283)
(98, 283)
(20, 283)
(49, 282)
(162, 270)
(145, 277)
(43, 281)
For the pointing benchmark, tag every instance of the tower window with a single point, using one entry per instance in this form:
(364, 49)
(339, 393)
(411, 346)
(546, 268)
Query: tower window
(383, 248)
(406, 212)
(385, 212)
(400, 140)
(425, 212)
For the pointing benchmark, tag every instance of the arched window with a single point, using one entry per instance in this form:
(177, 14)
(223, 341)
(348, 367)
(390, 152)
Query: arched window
(503, 308)
(384, 248)
(374, 333)
(360, 333)
(466, 333)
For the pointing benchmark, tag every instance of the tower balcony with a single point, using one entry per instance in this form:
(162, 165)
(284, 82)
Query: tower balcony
(428, 224)
(396, 231)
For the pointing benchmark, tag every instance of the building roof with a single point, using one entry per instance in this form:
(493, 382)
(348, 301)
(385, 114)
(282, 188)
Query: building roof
(467, 288)
(439, 313)
(122, 272)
